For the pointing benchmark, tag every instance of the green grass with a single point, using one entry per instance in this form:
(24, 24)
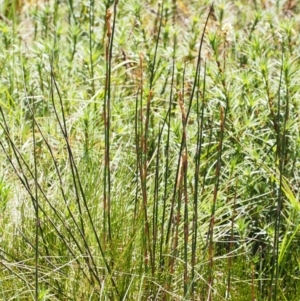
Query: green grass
(149, 150)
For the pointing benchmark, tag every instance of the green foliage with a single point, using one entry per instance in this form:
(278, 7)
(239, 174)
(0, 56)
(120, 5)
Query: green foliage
(149, 150)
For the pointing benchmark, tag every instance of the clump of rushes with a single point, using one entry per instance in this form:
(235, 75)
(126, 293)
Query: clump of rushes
(149, 150)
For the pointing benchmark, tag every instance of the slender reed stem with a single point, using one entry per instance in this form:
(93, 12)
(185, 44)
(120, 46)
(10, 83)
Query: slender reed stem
(167, 149)
(185, 193)
(153, 64)
(282, 147)
(37, 223)
(156, 203)
(223, 115)
(110, 30)
(200, 122)
(144, 171)
(230, 248)
(91, 30)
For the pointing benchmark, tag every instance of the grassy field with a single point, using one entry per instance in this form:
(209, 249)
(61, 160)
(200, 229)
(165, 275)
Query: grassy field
(150, 150)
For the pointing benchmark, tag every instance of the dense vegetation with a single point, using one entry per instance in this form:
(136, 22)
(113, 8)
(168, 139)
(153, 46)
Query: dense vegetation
(149, 150)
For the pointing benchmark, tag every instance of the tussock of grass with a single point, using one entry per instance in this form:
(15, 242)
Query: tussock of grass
(149, 150)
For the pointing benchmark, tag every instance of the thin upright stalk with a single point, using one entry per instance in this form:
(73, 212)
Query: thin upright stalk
(167, 148)
(35, 200)
(37, 219)
(137, 147)
(156, 204)
(185, 192)
(230, 247)
(213, 210)
(143, 172)
(282, 146)
(200, 122)
(110, 30)
(91, 30)
(223, 117)
(153, 64)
